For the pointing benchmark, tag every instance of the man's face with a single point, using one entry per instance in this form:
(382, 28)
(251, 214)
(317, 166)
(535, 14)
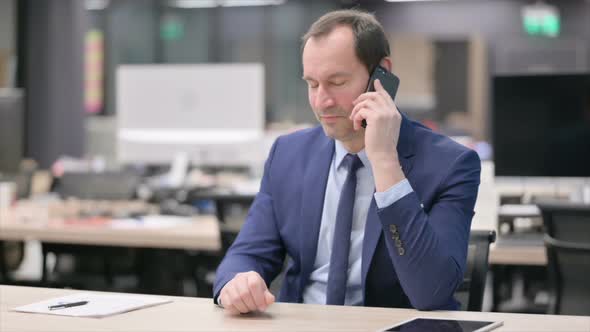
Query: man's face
(335, 78)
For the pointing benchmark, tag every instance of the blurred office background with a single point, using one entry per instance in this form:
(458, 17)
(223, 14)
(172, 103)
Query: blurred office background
(445, 53)
(80, 83)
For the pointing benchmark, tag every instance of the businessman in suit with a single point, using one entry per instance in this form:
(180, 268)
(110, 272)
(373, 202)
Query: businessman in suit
(375, 216)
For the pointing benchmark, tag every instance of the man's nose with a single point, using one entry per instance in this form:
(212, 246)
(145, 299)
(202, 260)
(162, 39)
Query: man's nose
(324, 99)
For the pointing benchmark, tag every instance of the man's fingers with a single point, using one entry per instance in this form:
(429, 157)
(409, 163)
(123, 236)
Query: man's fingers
(257, 288)
(246, 294)
(368, 103)
(232, 310)
(356, 121)
(360, 115)
(270, 299)
(378, 86)
(235, 299)
(385, 99)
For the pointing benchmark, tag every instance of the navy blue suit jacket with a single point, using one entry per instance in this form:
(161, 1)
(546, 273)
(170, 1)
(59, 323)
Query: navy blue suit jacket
(433, 222)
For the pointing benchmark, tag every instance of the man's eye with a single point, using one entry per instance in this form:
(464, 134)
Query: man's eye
(312, 85)
(338, 83)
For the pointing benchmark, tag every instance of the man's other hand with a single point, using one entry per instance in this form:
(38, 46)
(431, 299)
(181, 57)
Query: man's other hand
(246, 292)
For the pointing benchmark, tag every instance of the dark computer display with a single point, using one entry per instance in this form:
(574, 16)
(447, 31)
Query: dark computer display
(541, 125)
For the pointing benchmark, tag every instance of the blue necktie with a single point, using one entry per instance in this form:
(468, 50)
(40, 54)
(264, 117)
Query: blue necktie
(338, 274)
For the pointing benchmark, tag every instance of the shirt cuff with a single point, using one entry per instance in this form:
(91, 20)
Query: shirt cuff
(217, 300)
(393, 194)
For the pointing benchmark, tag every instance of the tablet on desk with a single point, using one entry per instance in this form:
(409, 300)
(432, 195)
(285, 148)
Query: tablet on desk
(421, 324)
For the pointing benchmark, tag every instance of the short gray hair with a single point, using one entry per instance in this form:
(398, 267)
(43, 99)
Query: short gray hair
(371, 44)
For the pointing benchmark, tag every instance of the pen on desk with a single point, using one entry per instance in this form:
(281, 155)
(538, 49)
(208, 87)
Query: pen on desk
(67, 305)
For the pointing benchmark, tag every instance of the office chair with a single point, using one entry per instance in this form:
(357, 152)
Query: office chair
(567, 239)
(470, 292)
(11, 256)
(204, 264)
(108, 186)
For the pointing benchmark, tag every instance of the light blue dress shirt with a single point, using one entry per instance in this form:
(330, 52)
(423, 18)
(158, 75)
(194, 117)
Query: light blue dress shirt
(315, 292)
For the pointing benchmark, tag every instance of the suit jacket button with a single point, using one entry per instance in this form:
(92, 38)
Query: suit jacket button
(401, 251)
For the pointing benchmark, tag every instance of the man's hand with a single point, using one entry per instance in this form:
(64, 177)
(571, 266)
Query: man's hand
(381, 135)
(246, 292)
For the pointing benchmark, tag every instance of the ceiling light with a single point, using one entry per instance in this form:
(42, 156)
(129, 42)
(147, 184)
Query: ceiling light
(222, 3)
(96, 4)
(240, 3)
(411, 0)
(190, 4)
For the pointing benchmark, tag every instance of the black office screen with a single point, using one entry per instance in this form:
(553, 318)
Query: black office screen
(541, 125)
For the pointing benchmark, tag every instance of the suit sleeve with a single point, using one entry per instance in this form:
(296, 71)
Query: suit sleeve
(258, 246)
(429, 250)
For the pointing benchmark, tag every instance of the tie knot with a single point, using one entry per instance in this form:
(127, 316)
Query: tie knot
(352, 162)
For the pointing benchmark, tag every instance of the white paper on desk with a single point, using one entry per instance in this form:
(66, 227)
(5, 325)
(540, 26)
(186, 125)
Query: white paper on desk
(99, 305)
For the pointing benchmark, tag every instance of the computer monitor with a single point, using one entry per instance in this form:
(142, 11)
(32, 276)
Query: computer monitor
(212, 112)
(541, 125)
(11, 130)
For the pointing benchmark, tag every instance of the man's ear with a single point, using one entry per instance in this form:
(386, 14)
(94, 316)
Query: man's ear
(386, 63)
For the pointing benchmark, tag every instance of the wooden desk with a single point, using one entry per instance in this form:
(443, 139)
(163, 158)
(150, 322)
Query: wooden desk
(202, 234)
(200, 314)
(517, 255)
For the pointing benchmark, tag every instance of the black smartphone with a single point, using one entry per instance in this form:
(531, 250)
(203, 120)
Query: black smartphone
(389, 81)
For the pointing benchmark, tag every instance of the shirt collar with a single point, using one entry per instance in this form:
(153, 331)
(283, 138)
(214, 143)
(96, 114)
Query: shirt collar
(340, 152)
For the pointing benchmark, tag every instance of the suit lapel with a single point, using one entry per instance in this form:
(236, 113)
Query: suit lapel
(314, 189)
(373, 228)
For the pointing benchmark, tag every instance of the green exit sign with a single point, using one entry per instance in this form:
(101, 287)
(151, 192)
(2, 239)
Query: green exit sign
(171, 29)
(541, 20)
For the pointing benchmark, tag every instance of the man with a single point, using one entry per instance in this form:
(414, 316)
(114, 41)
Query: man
(393, 231)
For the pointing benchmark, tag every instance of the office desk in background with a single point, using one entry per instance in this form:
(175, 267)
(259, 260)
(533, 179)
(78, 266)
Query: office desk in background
(200, 314)
(162, 247)
(522, 254)
(202, 234)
